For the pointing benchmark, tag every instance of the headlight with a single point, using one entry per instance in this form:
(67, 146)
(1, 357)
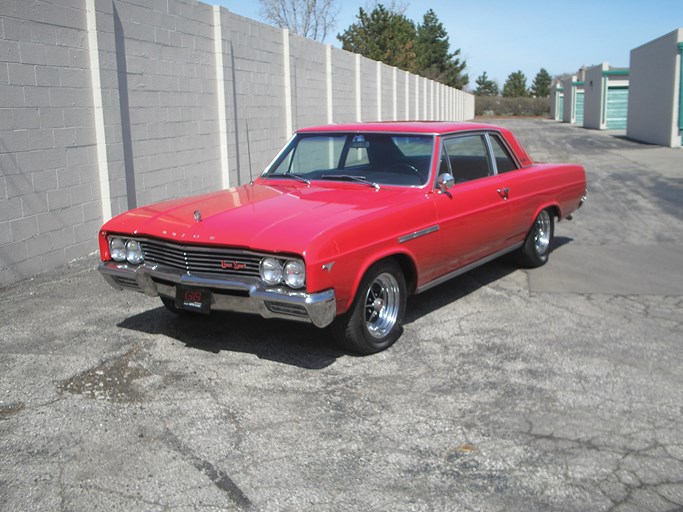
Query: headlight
(134, 252)
(295, 274)
(117, 249)
(271, 270)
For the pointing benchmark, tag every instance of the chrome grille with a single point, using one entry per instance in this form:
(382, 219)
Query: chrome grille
(203, 260)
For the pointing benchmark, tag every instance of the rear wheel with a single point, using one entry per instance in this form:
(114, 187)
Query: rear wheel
(373, 323)
(536, 248)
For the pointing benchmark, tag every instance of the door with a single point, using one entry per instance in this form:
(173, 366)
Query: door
(473, 216)
(578, 108)
(559, 112)
(617, 107)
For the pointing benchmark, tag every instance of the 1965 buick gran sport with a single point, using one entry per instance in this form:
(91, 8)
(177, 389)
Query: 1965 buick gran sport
(344, 224)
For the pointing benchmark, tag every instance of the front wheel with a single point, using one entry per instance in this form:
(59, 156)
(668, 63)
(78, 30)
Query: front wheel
(373, 323)
(536, 248)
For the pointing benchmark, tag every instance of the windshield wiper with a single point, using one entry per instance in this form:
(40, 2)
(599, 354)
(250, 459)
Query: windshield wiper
(290, 175)
(350, 177)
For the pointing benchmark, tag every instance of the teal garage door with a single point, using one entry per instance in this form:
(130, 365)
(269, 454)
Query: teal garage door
(578, 108)
(617, 107)
(559, 112)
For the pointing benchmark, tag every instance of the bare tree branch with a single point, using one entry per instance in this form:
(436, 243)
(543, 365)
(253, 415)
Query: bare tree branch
(314, 19)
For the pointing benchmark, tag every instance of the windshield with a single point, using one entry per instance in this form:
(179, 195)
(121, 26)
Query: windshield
(375, 158)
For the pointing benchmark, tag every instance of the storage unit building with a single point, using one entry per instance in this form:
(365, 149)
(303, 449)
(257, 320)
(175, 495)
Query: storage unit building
(556, 102)
(655, 102)
(573, 101)
(606, 97)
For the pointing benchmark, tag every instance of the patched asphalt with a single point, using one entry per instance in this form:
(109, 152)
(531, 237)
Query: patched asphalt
(554, 389)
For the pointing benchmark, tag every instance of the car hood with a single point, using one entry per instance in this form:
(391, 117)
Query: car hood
(268, 217)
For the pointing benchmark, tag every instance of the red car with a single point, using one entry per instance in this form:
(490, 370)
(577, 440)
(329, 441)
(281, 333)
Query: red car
(344, 224)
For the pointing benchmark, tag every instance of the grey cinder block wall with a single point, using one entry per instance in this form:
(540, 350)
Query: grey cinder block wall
(106, 105)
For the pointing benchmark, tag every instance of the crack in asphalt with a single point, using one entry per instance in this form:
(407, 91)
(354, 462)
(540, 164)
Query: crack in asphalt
(626, 468)
(219, 478)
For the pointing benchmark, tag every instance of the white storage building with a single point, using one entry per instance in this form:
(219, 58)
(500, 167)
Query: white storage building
(573, 101)
(655, 103)
(557, 102)
(606, 97)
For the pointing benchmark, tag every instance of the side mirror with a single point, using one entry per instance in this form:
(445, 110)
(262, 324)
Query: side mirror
(445, 182)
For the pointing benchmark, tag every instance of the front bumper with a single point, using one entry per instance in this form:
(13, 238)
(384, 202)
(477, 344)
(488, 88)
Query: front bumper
(237, 294)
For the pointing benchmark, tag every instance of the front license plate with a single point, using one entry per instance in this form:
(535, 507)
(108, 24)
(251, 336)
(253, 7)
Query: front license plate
(193, 299)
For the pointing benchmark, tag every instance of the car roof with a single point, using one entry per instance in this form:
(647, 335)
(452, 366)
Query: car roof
(428, 127)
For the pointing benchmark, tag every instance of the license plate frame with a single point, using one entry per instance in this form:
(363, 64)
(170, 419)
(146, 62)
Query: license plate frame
(192, 298)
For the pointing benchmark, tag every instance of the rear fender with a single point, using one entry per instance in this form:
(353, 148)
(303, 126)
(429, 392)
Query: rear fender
(554, 208)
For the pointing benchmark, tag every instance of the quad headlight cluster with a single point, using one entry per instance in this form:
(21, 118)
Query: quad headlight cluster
(126, 250)
(276, 271)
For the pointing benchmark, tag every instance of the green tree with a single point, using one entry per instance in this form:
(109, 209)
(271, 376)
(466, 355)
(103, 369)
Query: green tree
(382, 35)
(485, 86)
(433, 59)
(540, 88)
(515, 85)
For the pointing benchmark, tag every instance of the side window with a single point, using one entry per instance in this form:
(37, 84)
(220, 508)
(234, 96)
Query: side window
(357, 156)
(504, 163)
(444, 168)
(468, 157)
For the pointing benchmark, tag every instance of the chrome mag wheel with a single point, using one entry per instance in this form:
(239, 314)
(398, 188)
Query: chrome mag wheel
(542, 232)
(382, 304)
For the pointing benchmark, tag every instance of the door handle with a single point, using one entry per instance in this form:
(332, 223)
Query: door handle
(504, 193)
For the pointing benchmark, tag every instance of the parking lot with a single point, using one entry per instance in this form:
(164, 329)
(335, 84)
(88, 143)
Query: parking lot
(554, 389)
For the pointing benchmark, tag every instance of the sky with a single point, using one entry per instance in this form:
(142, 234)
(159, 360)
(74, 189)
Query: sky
(504, 36)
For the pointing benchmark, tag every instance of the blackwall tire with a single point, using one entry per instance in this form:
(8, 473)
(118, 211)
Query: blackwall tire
(373, 323)
(536, 248)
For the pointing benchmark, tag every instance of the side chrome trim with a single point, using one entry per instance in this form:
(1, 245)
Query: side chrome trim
(467, 268)
(417, 234)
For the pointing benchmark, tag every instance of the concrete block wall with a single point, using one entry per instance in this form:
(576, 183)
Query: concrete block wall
(170, 83)
(386, 90)
(107, 105)
(343, 78)
(309, 81)
(368, 89)
(49, 192)
(257, 98)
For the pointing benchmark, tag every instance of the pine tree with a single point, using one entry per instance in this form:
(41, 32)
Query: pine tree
(382, 35)
(515, 85)
(432, 54)
(540, 88)
(388, 36)
(486, 87)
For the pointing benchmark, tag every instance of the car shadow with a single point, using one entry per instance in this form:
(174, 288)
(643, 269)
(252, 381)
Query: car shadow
(465, 284)
(559, 241)
(458, 287)
(290, 343)
(299, 344)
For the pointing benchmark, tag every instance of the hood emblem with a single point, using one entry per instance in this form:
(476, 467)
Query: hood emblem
(197, 216)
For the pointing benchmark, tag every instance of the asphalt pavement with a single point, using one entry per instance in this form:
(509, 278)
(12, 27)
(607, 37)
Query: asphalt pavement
(554, 389)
